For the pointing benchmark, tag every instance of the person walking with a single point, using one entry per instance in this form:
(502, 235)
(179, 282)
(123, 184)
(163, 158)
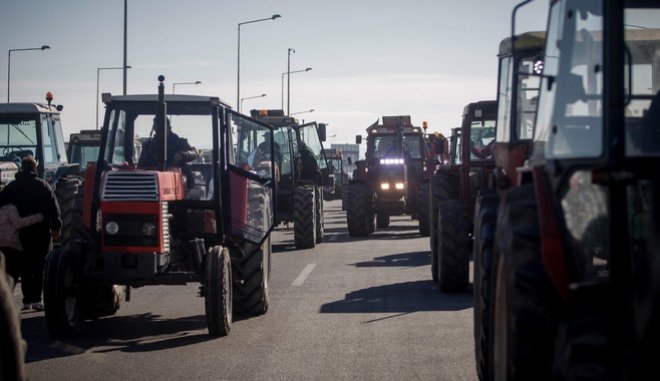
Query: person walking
(32, 195)
(10, 224)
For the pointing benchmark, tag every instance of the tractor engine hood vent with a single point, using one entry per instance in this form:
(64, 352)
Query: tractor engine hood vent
(130, 186)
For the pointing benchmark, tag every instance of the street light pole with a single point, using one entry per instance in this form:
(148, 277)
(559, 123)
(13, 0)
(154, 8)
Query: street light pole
(98, 73)
(43, 47)
(240, 109)
(293, 72)
(184, 83)
(238, 55)
(288, 80)
(125, 44)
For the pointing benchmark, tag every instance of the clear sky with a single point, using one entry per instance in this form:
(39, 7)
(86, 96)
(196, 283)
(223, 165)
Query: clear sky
(369, 58)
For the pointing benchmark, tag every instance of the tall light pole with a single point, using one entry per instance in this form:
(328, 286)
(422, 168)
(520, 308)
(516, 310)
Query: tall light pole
(125, 44)
(240, 109)
(288, 80)
(184, 83)
(289, 73)
(43, 47)
(238, 55)
(98, 73)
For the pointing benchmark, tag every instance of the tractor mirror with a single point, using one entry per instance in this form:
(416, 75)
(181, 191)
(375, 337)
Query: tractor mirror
(349, 160)
(321, 129)
(358, 139)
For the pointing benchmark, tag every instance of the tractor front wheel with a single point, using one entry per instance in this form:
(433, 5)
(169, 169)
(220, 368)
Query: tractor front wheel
(61, 293)
(218, 298)
(359, 213)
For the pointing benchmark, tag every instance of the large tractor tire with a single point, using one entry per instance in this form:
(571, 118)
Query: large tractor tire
(69, 191)
(359, 211)
(320, 225)
(423, 200)
(485, 219)
(12, 350)
(61, 293)
(218, 296)
(526, 303)
(453, 246)
(252, 275)
(443, 186)
(382, 220)
(304, 217)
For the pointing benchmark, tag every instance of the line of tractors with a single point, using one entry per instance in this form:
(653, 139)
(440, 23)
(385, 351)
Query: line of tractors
(551, 190)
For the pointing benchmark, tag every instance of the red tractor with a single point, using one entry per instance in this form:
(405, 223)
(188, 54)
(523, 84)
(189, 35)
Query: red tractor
(163, 223)
(518, 85)
(388, 181)
(454, 188)
(576, 290)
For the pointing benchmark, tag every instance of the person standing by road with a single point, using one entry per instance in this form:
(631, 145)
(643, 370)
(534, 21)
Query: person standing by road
(32, 195)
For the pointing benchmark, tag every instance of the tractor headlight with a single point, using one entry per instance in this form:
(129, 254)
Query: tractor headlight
(112, 228)
(384, 186)
(399, 186)
(149, 229)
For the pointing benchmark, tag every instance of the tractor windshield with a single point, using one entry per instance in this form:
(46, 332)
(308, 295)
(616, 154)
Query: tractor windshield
(482, 135)
(18, 136)
(83, 153)
(571, 99)
(642, 59)
(413, 145)
(255, 147)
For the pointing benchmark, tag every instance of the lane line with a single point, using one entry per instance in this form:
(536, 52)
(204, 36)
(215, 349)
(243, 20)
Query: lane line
(303, 275)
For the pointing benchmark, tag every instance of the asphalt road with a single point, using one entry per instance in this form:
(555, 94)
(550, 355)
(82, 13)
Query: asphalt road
(350, 309)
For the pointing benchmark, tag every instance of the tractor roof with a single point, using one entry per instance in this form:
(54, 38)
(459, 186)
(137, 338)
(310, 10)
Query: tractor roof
(524, 41)
(173, 98)
(27, 108)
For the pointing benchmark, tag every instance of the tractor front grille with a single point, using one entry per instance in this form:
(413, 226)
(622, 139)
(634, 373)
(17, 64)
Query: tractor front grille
(130, 186)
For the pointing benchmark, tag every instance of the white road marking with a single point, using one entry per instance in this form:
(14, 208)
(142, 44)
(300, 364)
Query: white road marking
(303, 275)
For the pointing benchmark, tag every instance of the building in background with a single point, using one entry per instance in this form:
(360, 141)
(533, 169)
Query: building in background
(348, 150)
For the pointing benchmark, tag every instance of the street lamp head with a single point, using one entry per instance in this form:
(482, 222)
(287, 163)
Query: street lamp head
(263, 95)
(308, 69)
(292, 50)
(198, 82)
(276, 16)
(44, 47)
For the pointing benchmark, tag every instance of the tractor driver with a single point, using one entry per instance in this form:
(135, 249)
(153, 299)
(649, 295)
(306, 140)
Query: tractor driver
(179, 154)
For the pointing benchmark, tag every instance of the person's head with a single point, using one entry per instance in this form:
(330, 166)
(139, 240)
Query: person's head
(29, 164)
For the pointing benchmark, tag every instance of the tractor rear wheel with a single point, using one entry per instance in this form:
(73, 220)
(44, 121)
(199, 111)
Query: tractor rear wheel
(453, 246)
(304, 217)
(61, 293)
(423, 209)
(319, 201)
(485, 218)
(69, 191)
(218, 298)
(526, 303)
(359, 214)
(443, 186)
(12, 362)
(252, 272)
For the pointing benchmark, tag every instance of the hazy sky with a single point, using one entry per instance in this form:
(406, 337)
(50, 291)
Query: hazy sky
(424, 58)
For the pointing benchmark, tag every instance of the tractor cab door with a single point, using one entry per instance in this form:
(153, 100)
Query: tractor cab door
(252, 178)
(310, 137)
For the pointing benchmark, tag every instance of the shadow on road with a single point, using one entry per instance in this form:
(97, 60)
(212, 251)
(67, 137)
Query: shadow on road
(399, 298)
(415, 259)
(137, 333)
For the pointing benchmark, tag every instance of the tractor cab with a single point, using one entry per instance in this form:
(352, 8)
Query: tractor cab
(32, 129)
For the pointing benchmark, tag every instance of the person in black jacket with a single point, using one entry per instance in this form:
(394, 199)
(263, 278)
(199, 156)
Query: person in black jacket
(308, 166)
(32, 195)
(179, 154)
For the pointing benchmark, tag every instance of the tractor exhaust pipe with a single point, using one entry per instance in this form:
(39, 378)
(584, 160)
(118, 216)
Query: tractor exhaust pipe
(161, 126)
